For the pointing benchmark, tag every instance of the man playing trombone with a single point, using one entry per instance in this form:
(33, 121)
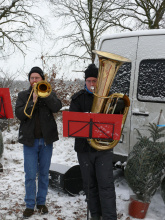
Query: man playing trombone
(37, 132)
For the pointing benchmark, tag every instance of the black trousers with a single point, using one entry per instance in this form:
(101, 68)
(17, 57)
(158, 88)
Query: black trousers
(97, 174)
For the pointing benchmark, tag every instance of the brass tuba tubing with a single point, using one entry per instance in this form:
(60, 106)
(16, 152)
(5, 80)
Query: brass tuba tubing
(108, 66)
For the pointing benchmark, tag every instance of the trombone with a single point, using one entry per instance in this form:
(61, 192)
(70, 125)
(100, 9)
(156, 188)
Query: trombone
(43, 90)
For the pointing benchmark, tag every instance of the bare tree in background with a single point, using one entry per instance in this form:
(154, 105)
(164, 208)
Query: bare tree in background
(141, 14)
(17, 23)
(85, 21)
(6, 81)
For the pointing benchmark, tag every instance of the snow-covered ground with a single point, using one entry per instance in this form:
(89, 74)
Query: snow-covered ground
(61, 205)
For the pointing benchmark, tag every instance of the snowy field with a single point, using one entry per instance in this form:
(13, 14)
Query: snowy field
(61, 205)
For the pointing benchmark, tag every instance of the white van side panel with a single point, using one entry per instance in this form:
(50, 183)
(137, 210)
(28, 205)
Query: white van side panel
(126, 47)
(137, 46)
(149, 47)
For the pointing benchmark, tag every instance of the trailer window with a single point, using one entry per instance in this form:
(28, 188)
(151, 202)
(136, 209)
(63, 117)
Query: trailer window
(151, 80)
(121, 83)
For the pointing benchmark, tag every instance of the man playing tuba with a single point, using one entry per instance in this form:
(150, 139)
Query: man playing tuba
(96, 166)
(37, 134)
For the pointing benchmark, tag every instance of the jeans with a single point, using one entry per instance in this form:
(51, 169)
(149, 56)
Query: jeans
(37, 161)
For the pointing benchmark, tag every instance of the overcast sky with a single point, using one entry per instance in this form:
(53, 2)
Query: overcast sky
(17, 64)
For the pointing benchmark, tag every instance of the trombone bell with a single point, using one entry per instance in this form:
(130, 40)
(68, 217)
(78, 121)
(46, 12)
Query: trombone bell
(42, 89)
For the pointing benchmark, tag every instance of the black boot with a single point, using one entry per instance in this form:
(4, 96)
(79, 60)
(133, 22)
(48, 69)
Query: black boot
(42, 209)
(28, 212)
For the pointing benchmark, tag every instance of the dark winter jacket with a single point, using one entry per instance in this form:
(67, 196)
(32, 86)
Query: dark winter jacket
(82, 102)
(45, 107)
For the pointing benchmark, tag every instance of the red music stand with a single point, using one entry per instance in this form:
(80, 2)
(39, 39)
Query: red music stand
(92, 125)
(5, 104)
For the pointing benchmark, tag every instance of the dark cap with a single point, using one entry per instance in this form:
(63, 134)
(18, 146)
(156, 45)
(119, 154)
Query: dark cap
(38, 70)
(91, 71)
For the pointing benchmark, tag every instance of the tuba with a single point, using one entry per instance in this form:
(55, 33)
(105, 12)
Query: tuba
(42, 89)
(103, 103)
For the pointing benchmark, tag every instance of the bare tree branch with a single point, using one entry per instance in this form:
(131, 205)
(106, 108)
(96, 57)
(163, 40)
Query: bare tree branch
(85, 21)
(17, 24)
(146, 14)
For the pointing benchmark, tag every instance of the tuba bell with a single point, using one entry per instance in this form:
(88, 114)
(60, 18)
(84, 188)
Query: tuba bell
(42, 89)
(103, 103)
